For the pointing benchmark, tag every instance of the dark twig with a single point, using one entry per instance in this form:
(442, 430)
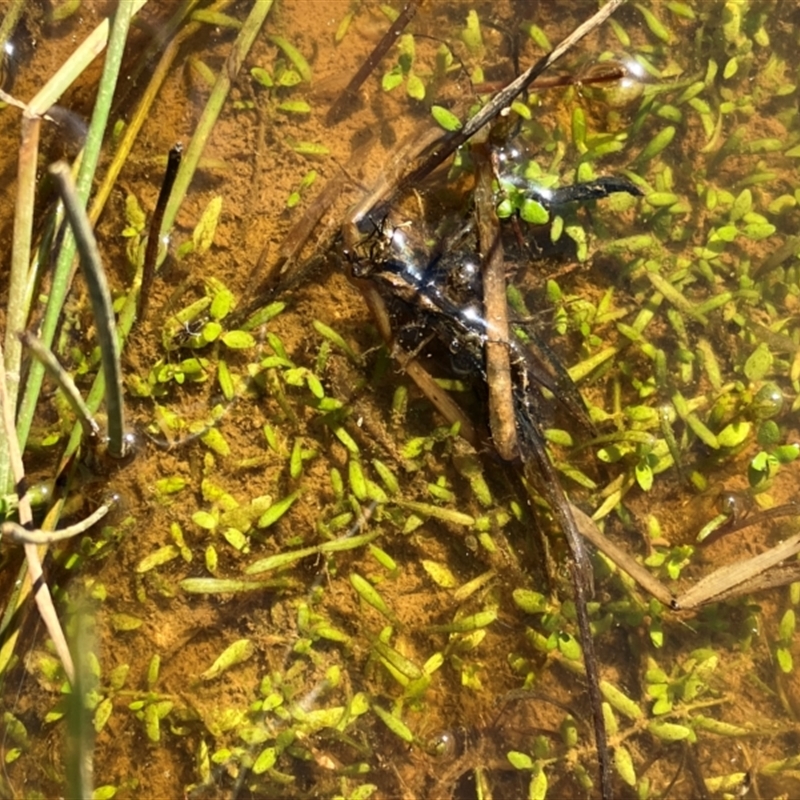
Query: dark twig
(341, 106)
(154, 232)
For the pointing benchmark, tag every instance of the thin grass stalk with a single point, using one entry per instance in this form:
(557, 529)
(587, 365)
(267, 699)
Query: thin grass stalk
(19, 291)
(91, 154)
(87, 51)
(241, 47)
(18, 308)
(102, 306)
(44, 601)
(64, 381)
(143, 110)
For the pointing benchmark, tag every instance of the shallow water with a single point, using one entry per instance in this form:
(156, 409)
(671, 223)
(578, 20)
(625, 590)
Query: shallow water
(679, 302)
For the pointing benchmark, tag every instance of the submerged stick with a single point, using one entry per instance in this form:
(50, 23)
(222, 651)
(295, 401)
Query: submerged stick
(339, 111)
(502, 416)
(101, 306)
(452, 141)
(22, 535)
(151, 251)
(723, 580)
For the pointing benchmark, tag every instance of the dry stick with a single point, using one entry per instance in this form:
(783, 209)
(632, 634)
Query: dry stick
(726, 578)
(102, 306)
(44, 601)
(589, 530)
(22, 535)
(338, 111)
(17, 308)
(64, 380)
(502, 415)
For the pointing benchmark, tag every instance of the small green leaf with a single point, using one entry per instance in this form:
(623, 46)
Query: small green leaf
(445, 118)
(759, 363)
(623, 761)
(440, 573)
(669, 731)
(392, 79)
(644, 476)
(529, 601)
(203, 234)
(371, 595)
(266, 760)
(519, 760)
(734, 434)
(294, 55)
(261, 76)
(160, 557)
(415, 88)
(277, 510)
(238, 340)
(125, 622)
(534, 212)
(234, 654)
(658, 143)
(102, 713)
(294, 107)
(394, 724)
(310, 149)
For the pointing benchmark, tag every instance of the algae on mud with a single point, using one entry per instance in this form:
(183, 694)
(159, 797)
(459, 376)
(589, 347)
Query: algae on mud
(682, 311)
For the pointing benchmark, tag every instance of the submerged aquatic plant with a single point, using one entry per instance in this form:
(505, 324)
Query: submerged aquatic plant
(320, 581)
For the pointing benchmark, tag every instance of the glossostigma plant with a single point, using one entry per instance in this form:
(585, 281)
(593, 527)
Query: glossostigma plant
(433, 394)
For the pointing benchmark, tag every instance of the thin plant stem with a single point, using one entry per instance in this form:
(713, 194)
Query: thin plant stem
(44, 601)
(18, 308)
(22, 535)
(91, 154)
(64, 381)
(102, 307)
(211, 112)
(87, 51)
(142, 112)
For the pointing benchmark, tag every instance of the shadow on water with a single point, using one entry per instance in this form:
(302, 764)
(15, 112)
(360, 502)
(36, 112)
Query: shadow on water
(312, 585)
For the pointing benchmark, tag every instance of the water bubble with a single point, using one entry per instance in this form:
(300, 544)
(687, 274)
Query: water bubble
(617, 82)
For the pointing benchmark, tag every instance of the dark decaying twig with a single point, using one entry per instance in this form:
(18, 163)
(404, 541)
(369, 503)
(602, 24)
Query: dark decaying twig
(340, 108)
(151, 251)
